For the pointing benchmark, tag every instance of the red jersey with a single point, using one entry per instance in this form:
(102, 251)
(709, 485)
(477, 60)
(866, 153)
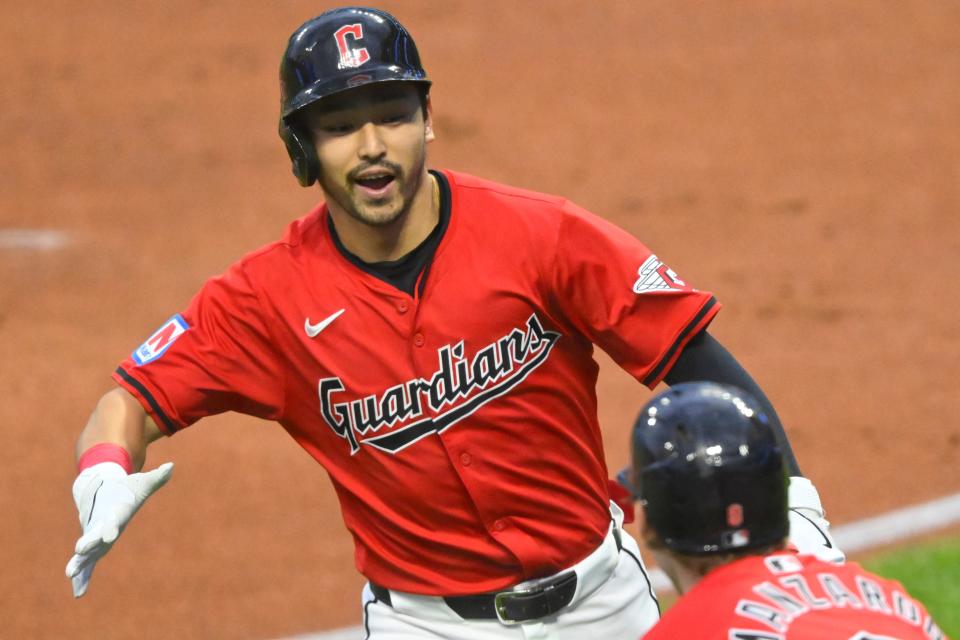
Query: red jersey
(789, 597)
(458, 425)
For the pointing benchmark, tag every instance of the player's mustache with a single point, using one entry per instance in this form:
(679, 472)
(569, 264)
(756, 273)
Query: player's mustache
(393, 168)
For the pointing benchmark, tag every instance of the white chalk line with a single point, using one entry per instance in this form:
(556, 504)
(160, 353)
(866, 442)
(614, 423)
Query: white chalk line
(853, 538)
(33, 239)
(898, 525)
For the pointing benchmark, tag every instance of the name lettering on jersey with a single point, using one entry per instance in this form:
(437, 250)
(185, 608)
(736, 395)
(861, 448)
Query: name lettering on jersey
(872, 595)
(837, 592)
(799, 584)
(931, 630)
(773, 618)
(160, 341)
(781, 598)
(906, 608)
(656, 276)
(459, 387)
(785, 609)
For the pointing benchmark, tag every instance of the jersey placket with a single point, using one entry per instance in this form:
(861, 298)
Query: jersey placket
(466, 462)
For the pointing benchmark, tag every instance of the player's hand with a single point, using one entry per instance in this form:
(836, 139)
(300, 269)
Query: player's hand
(106, 499)
(809, 529)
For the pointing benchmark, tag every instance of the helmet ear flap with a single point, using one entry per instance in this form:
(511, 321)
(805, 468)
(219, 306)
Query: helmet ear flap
(303, 155)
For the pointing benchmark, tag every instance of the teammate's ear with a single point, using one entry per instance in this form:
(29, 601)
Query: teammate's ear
(647, 534)
(428, 120)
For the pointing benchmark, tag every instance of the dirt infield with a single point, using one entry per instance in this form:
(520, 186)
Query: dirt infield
(801, 163)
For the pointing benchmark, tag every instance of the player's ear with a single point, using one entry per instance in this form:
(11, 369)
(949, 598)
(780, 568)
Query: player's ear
(428, 119)
(647, 534)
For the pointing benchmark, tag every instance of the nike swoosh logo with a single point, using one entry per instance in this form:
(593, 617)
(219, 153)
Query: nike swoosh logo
(314, 329)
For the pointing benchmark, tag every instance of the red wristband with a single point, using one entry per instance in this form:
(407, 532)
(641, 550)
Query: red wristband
(105, 452)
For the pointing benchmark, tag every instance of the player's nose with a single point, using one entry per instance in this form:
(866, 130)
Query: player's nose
(371, 142)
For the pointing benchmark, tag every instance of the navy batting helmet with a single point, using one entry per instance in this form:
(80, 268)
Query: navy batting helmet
(339, 50)
(708, 471)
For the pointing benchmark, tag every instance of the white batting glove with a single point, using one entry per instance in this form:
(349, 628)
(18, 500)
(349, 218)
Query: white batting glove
(809, 530)
(106, 499)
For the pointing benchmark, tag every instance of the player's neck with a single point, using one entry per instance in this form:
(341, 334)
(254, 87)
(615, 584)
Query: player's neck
(683, 577)
(391, 242)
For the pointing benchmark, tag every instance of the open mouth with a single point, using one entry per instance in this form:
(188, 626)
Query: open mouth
(375, 183)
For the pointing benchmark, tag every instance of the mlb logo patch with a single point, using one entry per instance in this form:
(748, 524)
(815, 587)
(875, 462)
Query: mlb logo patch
(733, 539)
(161, 340)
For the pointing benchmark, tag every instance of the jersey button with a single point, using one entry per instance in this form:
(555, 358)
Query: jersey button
(418, 339)
(402, 306)
(465, 459)
(499, 525)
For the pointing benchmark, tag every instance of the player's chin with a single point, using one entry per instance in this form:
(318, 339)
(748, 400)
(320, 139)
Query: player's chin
(378, 213)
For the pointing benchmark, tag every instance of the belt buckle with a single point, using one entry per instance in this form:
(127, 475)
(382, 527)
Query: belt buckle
(500, 607)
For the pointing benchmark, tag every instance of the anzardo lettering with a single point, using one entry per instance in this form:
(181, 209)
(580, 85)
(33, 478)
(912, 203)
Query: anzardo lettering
(459, 387)
(782, 608)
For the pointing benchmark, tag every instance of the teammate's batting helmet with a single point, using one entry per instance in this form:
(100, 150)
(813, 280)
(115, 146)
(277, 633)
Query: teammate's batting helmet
(708, 470)
(339, 50)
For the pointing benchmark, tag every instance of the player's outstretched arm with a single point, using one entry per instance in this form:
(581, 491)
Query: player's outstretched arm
(705, 358)
(107, 492)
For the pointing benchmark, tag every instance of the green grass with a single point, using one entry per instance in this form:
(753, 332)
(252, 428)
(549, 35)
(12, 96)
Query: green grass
(931, 574)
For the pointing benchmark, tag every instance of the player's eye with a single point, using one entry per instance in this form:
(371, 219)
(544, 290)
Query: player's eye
(338, 128)
(397, 116)
(392, 118)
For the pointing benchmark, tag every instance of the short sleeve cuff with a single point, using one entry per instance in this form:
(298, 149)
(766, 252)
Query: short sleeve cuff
(139, 390)
(697, 324)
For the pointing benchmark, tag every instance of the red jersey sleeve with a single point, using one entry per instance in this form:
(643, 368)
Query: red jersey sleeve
(215, 357)
(618, 294)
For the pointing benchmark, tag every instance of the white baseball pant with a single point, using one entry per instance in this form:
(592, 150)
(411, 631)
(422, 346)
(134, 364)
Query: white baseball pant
(614, 600)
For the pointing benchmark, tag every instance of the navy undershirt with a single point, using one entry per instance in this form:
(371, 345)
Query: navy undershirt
(403, 272)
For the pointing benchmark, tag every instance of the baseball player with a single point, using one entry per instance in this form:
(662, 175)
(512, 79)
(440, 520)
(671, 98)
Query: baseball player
(713, 484)
(427, 337)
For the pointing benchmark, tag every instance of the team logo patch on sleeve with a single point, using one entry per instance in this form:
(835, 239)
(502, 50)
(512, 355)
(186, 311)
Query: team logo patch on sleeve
(161, 340)
(656, 276)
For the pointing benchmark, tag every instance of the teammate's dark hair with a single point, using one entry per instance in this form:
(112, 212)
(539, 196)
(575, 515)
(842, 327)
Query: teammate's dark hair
(704, 564)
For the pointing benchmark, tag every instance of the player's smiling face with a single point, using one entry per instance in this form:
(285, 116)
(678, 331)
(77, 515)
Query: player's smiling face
(371, 143)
